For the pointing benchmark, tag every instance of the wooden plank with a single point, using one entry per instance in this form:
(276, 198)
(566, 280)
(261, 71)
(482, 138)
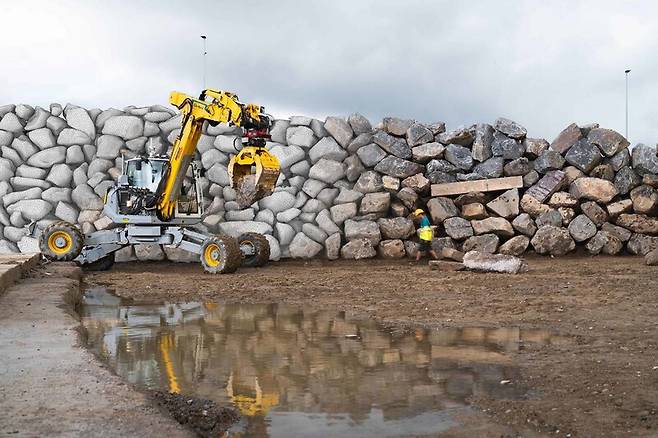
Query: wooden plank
(481, 185)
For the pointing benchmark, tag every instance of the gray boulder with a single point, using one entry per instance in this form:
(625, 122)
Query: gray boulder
(397, 167)
(236, 228)
(23, 146)
(362, 230)
(396, 126)
(43, 138)
(534, 147)
(31, 209)
(314, 232)
(359, 124)
(377, 202)
(341, 212)
(38, 119)
(426, 152)
(48, 157)
(460, 136)
(391, 249)
(353, 167)
(277, 202)
(74, 155)
(496, 225)
(85, 198)
(396, 228)
(553, 241)
(126, 127)
(339, 129)
(566, 139)
(594, 212)
(348, 195)
(519, 167)
(506, 205)
(608, 141)
(582, 228)
(510, 128)
(392, 145)
(638, 244)
(487, 243)
(66, 212)
(358, 249)
(459, 156)
(288, 215)
(57, 194)
(485, 262)
(329, 149)
(515, 246)
(549, 160)
(324, 221)
(11, 123)
(418, 134)
(79, 119)
(508, 148)
(371, 154)
(645, 159)
(60, 175)
(328, 171)
(303, 247)
(584, 156)
(491, 168)
(359, 141)
(108, 146)
(313, 187)
(524, 224)
(418, 183)
(441, 208)
(626, 180)
(287, 155)
(149, 252)
(481, 149)
(332, 246)
(70, 136)
(593, 189)
(458, 228)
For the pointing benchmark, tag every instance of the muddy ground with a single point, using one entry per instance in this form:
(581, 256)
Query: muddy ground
(604, 383)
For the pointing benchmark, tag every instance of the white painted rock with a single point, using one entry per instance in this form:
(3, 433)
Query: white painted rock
(303, 247)
(484, 262)
(126, 127)
(42, 137)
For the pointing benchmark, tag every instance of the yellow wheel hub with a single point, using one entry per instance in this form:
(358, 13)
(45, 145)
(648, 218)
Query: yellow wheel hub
(212, 255)
(60, 242)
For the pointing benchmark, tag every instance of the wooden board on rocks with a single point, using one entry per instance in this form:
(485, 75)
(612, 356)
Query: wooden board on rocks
(481, 185)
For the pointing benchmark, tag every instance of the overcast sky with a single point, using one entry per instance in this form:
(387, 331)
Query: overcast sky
(544, 64)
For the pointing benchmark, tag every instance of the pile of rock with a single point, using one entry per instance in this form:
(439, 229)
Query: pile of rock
(346, 188)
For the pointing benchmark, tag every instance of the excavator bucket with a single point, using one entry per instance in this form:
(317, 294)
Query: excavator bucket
(254, 173)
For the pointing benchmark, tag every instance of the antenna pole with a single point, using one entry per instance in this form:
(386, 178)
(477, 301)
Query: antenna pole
(203, 37)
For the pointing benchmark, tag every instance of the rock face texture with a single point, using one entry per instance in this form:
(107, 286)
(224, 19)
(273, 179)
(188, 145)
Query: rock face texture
(348, 187)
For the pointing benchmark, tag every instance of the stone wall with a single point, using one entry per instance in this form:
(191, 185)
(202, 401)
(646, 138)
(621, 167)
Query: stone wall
(346, 188)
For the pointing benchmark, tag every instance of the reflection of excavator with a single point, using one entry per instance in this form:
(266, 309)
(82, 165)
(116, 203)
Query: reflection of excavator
(156, 198)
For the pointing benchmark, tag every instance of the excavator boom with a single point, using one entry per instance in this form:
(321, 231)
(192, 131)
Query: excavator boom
(253, 171)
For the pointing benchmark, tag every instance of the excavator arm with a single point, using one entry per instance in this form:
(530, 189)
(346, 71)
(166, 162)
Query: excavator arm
(253, 163)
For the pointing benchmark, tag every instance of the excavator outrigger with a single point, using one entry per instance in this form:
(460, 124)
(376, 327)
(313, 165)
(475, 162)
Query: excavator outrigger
(158, 198)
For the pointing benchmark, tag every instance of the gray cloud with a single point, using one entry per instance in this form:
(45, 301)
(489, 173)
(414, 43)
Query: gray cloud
(543, 64)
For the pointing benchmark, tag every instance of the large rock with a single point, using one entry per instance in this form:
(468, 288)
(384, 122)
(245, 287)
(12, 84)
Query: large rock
(398, 168)
(474, 210)
(409, 198)
(391, 249)
(626, 180)
(458, 228)
(608, 141)
(375, 203)
(300, 136)
(348, 195)
(126, 127)
(277, 202)
(593, 189)
(553, 241)
(47, 157)
(462, 136)
(515, 246)
(506, 205)
(339, 129)
(619, 207)
(645, 200)
(60, 175)
(341, 212)
(651, 259)
(43, 138)
(392, 145)
(427, 152)
(329, 149)
(315, 233)
(621, 233)
(582, 228)
(353, 168)
(418, 134)
(396, 228)
(359, 124)
(550, 217)
(519, 167)
(328, 171)
(638, 244)
(108, 146)
(645, 159)
(66, 212)
(31, 209)
(584, 156)
(594, 212)
(323, 219)
(459, 156)
(507, 148)
(23, 146)
(79, 119)
(11, 123)
(396, 126)
(496, 225)
(418, 183)
(481, 149)
(510, 128)
(491, 168)
(534, 147)
(441, 209)
(85, 198)
(332, 246)
(566, 139)
(358, 249)
(485, 262)
(638, 223)
(219, 175)
(549, 160)
(38, 119)
(371, 154)
(359, 141)
(546, 186)
(487, 243)
(236, 228)
(287, 155)
(362, 230)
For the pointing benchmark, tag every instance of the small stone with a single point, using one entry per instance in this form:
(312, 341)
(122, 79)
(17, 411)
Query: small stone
(474, 210)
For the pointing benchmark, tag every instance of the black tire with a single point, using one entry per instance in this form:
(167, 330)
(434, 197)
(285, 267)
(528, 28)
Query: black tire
(61, 241)
(220, 255)
(102, 264)
(261, 249)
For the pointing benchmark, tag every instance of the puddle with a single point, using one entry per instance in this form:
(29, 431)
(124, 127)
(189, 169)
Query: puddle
(300, 372)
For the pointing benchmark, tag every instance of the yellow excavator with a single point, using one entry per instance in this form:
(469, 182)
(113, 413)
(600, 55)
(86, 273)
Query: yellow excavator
(158, 199)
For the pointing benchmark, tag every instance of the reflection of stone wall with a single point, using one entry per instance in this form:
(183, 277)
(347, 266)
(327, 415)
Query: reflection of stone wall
(343, 181)
(310, 361)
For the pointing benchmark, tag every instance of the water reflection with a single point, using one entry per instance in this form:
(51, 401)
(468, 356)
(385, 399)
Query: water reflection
(301, 372)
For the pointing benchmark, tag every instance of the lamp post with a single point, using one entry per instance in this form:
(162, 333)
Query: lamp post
(627, 72)
(203, 37)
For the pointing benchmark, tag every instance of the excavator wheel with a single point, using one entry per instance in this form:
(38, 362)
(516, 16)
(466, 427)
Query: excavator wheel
(255, 249)
(61, 241)
(220, 255)
(102, 264)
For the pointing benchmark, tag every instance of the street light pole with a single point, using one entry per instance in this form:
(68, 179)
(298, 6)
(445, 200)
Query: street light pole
(627, 72)
(203, 37)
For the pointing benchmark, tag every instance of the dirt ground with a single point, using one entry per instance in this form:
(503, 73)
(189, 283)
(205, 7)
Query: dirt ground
(604, 383)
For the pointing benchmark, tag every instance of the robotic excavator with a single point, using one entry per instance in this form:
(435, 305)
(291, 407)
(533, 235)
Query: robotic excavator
(157, 199)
